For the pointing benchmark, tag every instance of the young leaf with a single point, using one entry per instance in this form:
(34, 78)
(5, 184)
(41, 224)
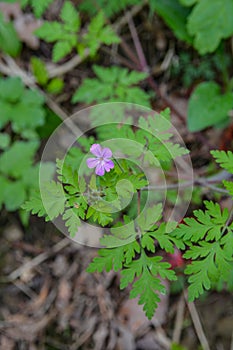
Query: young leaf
(71, 216)
(70, 16)
(55, 86)
(39, 70)
(99, 33)
(63, 34)
(39, 6)
(111, 85)
(225, 159)
(9, 41)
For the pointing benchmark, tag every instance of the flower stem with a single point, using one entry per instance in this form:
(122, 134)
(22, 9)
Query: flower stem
(118, 163)
(139, 201)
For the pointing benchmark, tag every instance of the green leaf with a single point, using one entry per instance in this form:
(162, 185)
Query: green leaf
(164, 239)
(224, 159)
(39, 70)
(210, 245)
(53, 198)
(14, 195)
(4, 140)
(39, 6)
(71, 216)
(23, 107)
(229, 186)
(150, 217)
(111, 85)
(9, 41)
(209, 24)
(55, 86)
(107, 259)
(35, 204)
(175, 16)
(18, 158)
(143, 273)
(207, 106)
(122, 235)
(61, 49)
(187, 2)
(11, 89)
(50, 31)
(70, 16)
(64, 35)
(26, 116)
(99, 33)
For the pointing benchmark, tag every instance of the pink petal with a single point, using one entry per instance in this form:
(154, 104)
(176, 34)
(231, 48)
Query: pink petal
(108, 165)
(96, 150)
(106, 153)
(100, 169)
(92, 162)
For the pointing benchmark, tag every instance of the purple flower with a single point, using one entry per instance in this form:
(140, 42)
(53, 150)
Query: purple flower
(102, 162)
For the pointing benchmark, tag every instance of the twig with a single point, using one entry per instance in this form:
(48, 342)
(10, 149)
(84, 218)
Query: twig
(137, 44)
(197, 323)
(118, 58)
(196, 182)
(179, 320)
(38, 259)
(132, 12)
(139, 201)
(144, 67)
(25, 289)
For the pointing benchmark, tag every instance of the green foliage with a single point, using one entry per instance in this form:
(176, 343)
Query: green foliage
(63, 34)
(210, 23)
(224, 159)
(204, 25)
(62, 197)
(111, 85)
(98, 33)
(55, 86)
(138, 269)
(210, 242)
(38, 6)
(39, 70)
(4, 140)
(19, 176)
(20, 106)
(66, 34)
(208, 107)
(9, 41)
(175, 16)
(22, 112)
(145, 274)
